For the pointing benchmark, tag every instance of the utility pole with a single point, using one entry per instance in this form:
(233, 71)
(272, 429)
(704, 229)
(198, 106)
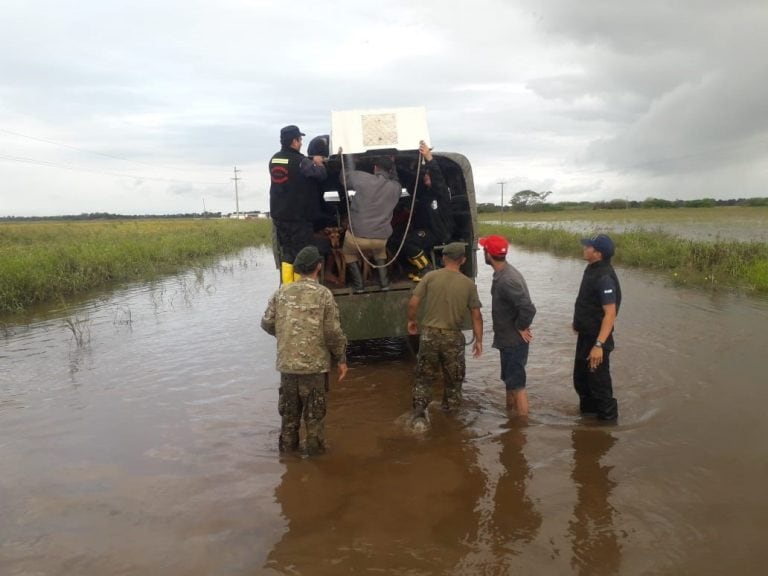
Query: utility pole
(204, 211)
(501, 183)
(237, 198)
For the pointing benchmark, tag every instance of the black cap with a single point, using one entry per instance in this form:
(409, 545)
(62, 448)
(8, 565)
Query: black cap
(318, 146)
(288, 133)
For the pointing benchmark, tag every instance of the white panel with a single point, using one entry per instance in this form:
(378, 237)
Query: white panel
(361, 130)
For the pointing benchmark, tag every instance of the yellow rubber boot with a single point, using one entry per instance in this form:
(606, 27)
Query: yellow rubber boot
(422, 265)
(420, 261)
(286, 272)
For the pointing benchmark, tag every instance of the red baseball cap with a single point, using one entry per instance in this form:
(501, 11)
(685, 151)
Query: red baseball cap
(495, 245)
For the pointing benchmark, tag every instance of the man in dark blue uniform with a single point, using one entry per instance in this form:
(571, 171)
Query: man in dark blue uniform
(292, 197)
(432, 223)
(597, 306)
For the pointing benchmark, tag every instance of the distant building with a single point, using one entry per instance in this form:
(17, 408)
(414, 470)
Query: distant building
(247, 215)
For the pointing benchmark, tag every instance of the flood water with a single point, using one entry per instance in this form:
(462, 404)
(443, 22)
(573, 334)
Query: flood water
(692, 228)
(138, 435)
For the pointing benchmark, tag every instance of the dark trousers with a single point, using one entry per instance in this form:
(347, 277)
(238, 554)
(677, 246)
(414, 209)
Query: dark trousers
(594, 387)
(293, 235)
(416, 242)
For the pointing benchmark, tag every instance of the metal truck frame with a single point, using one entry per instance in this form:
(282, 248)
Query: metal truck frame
(384, 314)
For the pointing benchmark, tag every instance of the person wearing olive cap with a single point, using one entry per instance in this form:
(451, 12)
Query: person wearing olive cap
(447, 295)
(304, 317)
(293, 196)
(595, 312)
(512, 312)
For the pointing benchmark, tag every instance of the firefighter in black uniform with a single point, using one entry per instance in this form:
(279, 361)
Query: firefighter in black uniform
(432, 223)
(292, 195)
(597, 306)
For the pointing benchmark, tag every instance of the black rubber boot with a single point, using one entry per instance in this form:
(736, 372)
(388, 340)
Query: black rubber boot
(383, 276)
(356, 276)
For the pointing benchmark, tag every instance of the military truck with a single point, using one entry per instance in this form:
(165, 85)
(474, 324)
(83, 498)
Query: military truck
(378, 313)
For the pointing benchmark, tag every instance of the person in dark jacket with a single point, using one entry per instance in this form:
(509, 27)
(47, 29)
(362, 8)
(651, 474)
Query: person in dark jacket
(512, 312)
(323, 214)
(432, 223)
(292, 197)
(597, 306)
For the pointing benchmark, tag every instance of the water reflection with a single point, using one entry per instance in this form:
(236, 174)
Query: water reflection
(595, 545)
(413, 509)
(515, 519)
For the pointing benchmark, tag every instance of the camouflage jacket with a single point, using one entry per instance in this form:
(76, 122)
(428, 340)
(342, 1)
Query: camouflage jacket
(305, 319)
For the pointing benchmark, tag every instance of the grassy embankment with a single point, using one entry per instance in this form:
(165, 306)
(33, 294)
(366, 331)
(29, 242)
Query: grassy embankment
(713, 264)
(50, 261)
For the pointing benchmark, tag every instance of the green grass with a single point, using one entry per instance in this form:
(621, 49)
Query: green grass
(43, 262)
(50, 261)
(714, 264)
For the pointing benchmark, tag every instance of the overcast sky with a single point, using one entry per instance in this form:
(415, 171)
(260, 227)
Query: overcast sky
(146, 106)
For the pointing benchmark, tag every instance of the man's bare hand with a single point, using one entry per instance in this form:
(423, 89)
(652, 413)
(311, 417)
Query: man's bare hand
(526, 335)
(425, 151)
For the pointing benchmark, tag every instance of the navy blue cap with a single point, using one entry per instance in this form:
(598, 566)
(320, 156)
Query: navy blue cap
(602, 243)
(288, 133)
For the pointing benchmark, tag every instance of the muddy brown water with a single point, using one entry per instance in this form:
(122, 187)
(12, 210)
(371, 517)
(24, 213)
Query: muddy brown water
(138, 435)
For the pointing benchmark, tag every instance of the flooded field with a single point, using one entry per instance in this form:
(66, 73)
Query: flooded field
(138, 435)
(701, 224)
(691, 230)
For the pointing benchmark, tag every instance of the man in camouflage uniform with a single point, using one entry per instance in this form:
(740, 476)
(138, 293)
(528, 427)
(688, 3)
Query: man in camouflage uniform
(447, 294)
(305, 319)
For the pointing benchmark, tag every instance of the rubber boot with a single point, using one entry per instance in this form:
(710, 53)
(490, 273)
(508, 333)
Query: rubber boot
(422, 265)
(356, 276)
(383, 276)
(286, 272)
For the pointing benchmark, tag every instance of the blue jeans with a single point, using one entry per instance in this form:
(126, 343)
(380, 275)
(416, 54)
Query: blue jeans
(513, 361)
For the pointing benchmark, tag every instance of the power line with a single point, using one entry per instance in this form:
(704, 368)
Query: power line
(104, 154)
(48, 164)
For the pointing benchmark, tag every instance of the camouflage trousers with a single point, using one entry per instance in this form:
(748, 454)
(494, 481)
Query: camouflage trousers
(302, 396)
(441, 352)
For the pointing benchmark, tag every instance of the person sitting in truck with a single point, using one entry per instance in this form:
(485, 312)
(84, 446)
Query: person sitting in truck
(370, 216)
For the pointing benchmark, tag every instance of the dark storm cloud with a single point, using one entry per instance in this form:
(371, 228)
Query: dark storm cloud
(679, 82)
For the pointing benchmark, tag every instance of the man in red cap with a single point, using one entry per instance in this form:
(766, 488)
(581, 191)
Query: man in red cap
(512, 312)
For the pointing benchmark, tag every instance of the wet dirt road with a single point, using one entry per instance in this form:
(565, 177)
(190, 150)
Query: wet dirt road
(138, 435)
